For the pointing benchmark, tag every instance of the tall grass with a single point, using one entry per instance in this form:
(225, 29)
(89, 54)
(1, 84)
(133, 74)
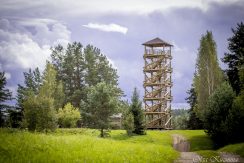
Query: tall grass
(84, 145)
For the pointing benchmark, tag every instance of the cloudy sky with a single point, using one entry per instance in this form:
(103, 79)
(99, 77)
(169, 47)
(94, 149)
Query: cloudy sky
(29, 28)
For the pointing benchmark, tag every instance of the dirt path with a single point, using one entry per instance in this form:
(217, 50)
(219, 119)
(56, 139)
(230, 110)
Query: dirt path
(183, 146)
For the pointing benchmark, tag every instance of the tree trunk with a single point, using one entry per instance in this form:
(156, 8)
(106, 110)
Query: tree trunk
(102, 134)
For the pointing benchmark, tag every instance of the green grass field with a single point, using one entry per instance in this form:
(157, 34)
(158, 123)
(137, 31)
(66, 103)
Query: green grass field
(85, 145)
(81, 145)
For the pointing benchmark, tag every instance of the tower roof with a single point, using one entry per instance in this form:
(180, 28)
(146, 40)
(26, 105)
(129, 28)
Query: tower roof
(157, 42)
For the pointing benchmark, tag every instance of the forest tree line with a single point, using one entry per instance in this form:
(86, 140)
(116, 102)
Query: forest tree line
(216, 97)
(78, 88)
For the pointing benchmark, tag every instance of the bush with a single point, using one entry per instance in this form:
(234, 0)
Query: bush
(216, 113)
(68, 116)
(235, 121)
(128, 123)
(39, 113)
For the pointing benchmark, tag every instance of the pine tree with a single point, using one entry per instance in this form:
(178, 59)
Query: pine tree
(5, 95)
(98, 68)
(136, 110)
(102, 103)
(208, 73)
(235, 57)
(32, 82)
(57, 55)
(128, 123)
(80, 68)
(194, 122)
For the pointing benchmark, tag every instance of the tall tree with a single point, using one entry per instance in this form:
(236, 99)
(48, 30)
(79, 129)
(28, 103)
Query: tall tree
(98, 68)
(102, 103)
(235, 57)
(59, 96)
(235, 119)
(5, 95)
(70, 70)
(79, 68)
(57, 55)
(136, 110)
(208, 73)
(39, 111)
(32, 82)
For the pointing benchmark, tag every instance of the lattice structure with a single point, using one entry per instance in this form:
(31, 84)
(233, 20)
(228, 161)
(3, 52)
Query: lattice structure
(157, 84)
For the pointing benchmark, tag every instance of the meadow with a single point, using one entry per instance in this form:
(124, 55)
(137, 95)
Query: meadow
(85, 145)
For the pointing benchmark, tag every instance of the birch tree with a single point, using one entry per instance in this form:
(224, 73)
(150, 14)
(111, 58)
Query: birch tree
(208, 73)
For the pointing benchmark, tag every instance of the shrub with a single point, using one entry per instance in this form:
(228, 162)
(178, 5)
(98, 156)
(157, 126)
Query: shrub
(68, 116)
(128, 123)
(217, 111)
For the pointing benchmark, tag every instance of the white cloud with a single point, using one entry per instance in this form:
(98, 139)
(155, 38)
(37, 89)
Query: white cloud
(7, 75)
(21, 49)
(107, 27)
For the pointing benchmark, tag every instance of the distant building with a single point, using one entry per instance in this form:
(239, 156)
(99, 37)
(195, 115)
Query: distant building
(116, 121)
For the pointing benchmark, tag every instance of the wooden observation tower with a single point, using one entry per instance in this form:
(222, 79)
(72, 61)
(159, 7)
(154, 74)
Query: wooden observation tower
(157, 84)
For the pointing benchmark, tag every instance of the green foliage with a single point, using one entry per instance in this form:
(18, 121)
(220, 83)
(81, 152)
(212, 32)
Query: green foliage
(49, 83)
(102, 103)
(39, 111)
(68, 116)
(30, 106)
(46, 115)
(194, 122)
(208, 73)
(216, 113)
(136, 110)
(14, 119)
(235, 119)
(32, 82)
(235, 57)
(180, 118)
(59, 96)
(79, 68)
(5, 95)
(128, 123)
